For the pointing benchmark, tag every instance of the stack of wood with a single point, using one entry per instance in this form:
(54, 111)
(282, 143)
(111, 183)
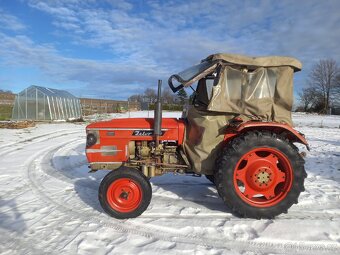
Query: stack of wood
(17, 124)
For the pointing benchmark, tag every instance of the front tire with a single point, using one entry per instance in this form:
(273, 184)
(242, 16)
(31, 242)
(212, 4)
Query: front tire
(260, 175)
(125, 193)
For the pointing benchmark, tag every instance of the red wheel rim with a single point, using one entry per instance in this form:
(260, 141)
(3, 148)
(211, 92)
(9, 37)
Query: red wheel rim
(263, 177)
(124, 195)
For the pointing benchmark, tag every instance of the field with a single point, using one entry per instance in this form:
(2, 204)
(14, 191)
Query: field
(49, 205)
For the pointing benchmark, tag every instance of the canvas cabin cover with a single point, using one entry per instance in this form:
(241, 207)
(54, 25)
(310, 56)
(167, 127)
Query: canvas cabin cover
(260, 87)
(230, 85)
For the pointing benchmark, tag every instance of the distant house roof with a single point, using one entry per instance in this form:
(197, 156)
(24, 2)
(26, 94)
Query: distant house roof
(50, 92)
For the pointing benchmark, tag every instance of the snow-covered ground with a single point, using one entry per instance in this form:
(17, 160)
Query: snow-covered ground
(49, 205)
(315, 120)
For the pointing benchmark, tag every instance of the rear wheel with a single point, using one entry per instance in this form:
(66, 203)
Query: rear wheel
(125, 193)
(260, 175)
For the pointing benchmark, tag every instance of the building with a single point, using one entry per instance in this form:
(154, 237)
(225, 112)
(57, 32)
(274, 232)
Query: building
(40, 103)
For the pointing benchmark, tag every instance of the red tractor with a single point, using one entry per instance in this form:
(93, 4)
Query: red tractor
(237, 132)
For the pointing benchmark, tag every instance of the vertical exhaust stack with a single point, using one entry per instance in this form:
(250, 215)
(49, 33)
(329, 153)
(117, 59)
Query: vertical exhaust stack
(157, 129)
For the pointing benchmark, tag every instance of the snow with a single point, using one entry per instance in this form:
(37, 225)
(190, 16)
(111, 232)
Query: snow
(315, 120)
(48, 202)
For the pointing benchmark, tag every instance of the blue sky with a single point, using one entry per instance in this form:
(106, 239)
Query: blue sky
(116, 48)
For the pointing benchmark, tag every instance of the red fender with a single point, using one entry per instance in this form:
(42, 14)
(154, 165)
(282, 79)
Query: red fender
(278, 128)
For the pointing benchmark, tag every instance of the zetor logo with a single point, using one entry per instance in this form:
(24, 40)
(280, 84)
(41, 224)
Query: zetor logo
(144, 133)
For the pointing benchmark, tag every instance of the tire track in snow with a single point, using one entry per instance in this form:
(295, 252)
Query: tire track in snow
(33, 138)
(45, 138)
(19, 242)
(25, 242)
(133, 227)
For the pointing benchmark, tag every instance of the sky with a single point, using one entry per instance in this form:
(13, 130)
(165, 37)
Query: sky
(115, 48)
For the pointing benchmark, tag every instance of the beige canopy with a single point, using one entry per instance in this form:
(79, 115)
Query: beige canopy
(269, 61)
(187, 77)
(260, 87)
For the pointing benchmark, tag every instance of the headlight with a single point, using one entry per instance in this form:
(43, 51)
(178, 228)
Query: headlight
(91, 139)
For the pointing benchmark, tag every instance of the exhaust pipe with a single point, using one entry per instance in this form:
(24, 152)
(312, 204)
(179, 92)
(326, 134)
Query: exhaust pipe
(157, 129)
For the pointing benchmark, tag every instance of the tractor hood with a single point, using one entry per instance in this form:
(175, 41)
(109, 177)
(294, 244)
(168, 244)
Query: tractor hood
(139, 129)
(133, 123)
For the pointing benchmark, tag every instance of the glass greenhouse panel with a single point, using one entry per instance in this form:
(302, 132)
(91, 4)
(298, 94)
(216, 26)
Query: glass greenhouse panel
(39, 103)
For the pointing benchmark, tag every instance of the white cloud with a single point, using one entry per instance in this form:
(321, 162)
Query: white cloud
(10, 22)
(97, 77)
(255, 27)
(150, 39)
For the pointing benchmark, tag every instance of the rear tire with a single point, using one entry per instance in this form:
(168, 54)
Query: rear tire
(260, 175)
(211, 178)
(125, 193)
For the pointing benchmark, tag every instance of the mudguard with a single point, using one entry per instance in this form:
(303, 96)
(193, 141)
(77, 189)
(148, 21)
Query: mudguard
(279, 128)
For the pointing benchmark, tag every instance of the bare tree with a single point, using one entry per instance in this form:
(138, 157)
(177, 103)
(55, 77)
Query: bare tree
(309, 99)
(335, 97)
(150, 95)
(136, 98)
(168, 96)
(324, 78)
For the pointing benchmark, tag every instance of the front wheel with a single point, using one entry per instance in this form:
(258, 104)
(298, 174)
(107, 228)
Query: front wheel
(125, 193)
(260, 175)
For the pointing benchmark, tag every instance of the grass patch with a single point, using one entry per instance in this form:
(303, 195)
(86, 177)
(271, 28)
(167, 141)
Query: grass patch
(6, 112)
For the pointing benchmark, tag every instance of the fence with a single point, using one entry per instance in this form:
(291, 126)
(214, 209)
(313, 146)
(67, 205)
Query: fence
(93, 106)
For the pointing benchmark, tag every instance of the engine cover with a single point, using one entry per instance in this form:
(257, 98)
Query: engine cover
(109, 141)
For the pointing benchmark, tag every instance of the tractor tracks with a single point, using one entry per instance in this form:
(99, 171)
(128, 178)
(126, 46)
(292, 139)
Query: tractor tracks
(40, 169)
(15, 146)
(34, 137)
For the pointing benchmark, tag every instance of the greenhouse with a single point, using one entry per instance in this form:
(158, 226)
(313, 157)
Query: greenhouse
(40, 103)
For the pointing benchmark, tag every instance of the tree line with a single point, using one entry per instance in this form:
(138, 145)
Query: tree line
(168, 97)
(323, 88)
